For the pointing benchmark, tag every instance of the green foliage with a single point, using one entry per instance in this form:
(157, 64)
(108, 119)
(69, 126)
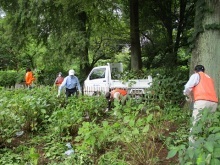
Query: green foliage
(119, 136)
(8, 156)
(47, 75)
(112, 157)
(168, 87)
(10, 122)
(83, 33)
(65, 121)
(8, 78)
(204, 146)
(33, 156)
(26, 110)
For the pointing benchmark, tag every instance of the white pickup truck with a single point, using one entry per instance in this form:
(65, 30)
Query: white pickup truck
(103, 79)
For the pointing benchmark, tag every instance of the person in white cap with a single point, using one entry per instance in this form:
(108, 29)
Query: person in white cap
(71, 83)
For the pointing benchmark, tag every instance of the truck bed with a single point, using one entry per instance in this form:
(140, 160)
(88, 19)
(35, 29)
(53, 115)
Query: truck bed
(135, 86)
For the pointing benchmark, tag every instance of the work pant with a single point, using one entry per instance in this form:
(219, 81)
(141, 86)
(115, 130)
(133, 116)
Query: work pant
(70, 92)
(199, 105)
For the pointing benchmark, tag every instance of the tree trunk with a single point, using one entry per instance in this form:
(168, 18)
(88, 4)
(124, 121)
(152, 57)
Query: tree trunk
(207, 45)
(84, 62)
(136, 62)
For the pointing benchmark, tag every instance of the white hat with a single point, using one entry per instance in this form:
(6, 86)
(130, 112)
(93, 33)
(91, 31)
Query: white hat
(71, 72)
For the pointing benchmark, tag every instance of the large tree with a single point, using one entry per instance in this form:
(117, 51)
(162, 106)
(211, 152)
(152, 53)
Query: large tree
(207, 39)
(136, 62)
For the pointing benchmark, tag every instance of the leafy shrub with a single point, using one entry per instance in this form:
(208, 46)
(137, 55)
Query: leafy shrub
(114, 137)
(205, 147)
(24, 109)
(48, 75)
(8, 78)
(20, 77)
(10, 121)
(168, 87)
(66, 120)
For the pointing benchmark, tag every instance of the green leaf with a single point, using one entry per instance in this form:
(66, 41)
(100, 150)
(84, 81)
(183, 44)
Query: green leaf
(126, 119)
(200, 160)
(215, 161)
(209, 146)
(140, 106)
(146, 128)
(214, 129)
(135, 131)
(208, 159)
(131, 123)
(43, 111)
(149, 118)
(217, 136)
(9, 140)
(105, 123)
(191, 152)
(216, 152)
(172, 153)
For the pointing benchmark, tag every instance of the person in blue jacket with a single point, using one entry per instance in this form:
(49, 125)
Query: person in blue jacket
(71, 83)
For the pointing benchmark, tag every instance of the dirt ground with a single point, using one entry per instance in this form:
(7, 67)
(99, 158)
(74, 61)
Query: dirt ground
(162, 154)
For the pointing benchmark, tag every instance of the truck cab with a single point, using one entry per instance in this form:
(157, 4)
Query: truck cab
(100, 78)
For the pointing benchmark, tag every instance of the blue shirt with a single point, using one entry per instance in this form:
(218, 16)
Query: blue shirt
(70, 82)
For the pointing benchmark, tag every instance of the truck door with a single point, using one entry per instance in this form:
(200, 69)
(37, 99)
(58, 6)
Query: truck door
(97, 81)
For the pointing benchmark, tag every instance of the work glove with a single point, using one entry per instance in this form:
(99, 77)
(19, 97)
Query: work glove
(189, 99)
(58, 95)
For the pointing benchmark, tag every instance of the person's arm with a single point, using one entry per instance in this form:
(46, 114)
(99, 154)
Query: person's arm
(78, 85)
(55, 82)
(32, 77)
(193, 81)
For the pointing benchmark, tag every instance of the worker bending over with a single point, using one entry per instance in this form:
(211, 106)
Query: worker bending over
(118, 94)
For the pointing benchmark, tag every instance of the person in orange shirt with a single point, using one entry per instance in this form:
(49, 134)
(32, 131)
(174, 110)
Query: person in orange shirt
(118, 94)
(29, 78)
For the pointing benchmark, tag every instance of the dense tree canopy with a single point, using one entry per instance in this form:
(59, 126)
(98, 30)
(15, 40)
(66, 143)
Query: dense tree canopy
(81, 34)
(84, 32)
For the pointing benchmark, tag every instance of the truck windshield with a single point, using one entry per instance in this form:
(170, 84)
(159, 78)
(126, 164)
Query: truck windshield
(97, 73)
(115, 74)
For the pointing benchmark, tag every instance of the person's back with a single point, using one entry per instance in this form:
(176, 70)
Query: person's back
(29, 78)
(205, 90)
(116, 94)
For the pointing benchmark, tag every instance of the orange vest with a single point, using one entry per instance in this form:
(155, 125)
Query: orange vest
(29, 78)
(121, 91)
(205, 90)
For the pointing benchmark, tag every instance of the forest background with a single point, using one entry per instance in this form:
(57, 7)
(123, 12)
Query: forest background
(53, 36)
